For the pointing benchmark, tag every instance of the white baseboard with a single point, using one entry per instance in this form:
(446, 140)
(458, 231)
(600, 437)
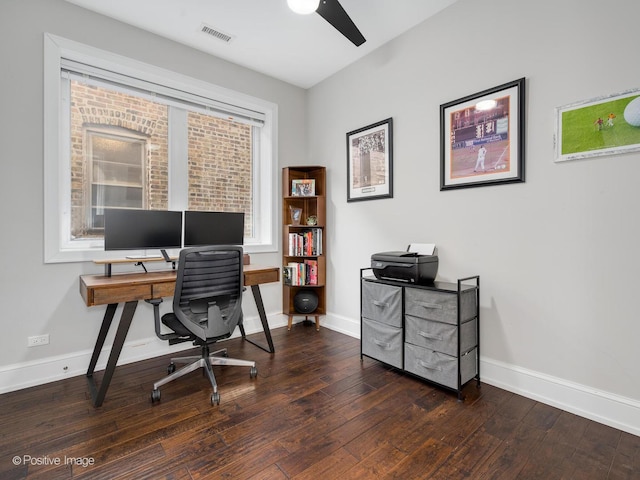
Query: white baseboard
(28, 374)
(602, 407)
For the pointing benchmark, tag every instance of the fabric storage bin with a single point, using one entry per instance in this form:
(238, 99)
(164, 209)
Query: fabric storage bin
(439, 306)
(382, 342)
(441, 337)
(382, 303)
(439, 367)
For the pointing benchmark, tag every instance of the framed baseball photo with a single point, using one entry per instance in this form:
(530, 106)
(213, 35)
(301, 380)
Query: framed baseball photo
(482, 138)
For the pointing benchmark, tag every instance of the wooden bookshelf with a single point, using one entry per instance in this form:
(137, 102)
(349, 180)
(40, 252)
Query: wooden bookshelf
(304, 190)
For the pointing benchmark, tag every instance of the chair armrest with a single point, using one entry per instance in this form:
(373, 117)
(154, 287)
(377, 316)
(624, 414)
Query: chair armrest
(156, 320)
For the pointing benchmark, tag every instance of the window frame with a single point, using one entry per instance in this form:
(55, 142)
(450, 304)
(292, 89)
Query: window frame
(57, 248)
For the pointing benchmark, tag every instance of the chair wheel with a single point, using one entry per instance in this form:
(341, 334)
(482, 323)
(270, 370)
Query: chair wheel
(215, 398)
(155, 395)
(171, 368)
(253, 373)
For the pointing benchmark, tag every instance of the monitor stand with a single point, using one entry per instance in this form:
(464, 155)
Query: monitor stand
(138, 261)
(168, 259)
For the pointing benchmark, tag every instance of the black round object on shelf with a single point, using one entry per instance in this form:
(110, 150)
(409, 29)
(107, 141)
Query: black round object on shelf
(305, 301)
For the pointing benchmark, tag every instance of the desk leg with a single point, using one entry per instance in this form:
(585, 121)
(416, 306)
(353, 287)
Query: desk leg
(118, 342)
(257, 296)
(104, 329)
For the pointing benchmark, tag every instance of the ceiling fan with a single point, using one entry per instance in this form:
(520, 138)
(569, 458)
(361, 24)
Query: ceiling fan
(332, 12)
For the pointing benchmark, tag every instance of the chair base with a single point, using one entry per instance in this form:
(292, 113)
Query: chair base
(205, 361)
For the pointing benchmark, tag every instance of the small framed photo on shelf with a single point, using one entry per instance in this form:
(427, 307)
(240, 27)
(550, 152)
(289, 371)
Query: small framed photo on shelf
(303, 188)
(370, 162)
(296, 215)
(599, 126)
(287, 274)
(482, 138)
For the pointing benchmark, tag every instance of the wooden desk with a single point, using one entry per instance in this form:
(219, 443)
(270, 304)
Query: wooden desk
(129, 288)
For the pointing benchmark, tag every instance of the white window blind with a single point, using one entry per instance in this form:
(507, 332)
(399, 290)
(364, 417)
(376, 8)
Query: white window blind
(158, 92)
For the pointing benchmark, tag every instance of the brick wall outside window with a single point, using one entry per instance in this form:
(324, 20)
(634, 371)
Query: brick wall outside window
(220, 165)
(220, 155)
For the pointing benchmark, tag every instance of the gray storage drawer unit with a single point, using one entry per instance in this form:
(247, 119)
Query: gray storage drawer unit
(430, 331)
(381, 327)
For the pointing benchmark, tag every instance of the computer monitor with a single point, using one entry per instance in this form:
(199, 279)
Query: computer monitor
(213, 228)
(134, 229)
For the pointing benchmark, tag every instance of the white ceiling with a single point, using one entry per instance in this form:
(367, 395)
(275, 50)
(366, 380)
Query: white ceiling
(267, 36)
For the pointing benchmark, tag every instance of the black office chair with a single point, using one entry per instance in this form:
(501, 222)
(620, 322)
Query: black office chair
(207, 307)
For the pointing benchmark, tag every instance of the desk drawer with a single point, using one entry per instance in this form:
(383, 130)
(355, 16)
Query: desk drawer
(161, 290)
(252, 277)
(120, 294)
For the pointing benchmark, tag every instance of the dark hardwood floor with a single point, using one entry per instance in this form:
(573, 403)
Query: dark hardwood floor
(314, 412)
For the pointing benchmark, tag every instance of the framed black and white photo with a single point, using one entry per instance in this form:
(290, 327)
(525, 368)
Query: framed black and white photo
(482, 138)
(370, 162)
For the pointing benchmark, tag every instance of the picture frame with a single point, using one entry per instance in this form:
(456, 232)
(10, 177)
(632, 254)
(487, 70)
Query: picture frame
(482, 138)
(296, 215)
(606, 125)
(370, 162)
(303, 187)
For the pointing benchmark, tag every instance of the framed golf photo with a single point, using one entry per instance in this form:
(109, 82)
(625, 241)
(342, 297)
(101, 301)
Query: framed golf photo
(482, 138)
(601, 126)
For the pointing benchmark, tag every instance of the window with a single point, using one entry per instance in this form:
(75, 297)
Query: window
(120, 134)
(118, 152)
(116, 164)
(220, 169)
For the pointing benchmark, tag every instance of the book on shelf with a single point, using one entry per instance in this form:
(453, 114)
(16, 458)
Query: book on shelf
(301, 273)
(312, 272)
(296, 277)
(307, 243)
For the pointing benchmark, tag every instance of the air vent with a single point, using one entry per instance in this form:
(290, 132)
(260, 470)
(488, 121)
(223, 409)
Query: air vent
(209, 30)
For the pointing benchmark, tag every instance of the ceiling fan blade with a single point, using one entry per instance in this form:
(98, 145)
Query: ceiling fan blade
(332, 12)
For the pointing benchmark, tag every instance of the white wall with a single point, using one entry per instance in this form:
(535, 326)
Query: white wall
(38, 298)
(558, 255)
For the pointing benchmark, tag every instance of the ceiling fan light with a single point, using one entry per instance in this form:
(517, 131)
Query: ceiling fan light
(303, 7)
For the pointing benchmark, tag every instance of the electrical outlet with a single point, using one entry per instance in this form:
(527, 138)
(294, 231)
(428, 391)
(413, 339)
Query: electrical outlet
(38, 340)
